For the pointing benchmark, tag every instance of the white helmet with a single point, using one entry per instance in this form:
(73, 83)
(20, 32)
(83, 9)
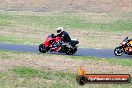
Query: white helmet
(60, 29)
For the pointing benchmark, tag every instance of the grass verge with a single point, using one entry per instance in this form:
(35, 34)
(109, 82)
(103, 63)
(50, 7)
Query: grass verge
(67, 20)
(21, 40)
(50, 71)
(115, 61)
(90, 28)
(27, 77)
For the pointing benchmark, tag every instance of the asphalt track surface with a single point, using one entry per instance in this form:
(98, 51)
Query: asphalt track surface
(100, 53)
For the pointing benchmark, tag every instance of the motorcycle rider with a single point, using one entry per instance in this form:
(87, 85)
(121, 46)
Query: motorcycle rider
(63, 35)
(129, 42)
(65, 38)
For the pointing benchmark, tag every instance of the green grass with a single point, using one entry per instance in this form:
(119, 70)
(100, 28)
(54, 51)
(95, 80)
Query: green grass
(123, 62)
(115, 61)
(21, 40)
(31, 78)
(28, 77)
(57, 79)
(72, 21)
(1, 74)
(28, 72)
(29, 28)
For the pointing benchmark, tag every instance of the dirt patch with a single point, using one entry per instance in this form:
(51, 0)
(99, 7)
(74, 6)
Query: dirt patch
(67, 5)
(59, 63)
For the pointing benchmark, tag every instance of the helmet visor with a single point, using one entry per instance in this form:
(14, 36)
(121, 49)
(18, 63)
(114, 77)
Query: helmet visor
(58, 31)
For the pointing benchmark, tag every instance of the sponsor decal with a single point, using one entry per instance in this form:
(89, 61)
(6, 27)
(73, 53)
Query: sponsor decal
(83, 78)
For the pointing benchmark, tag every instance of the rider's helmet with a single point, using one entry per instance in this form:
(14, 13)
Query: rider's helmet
(60, 30)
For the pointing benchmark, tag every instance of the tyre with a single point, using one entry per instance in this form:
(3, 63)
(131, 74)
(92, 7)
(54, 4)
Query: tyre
(129, 53)
(42, 48)
(118, 51)
(71, 51)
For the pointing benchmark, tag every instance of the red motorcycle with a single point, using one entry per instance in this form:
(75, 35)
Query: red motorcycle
(54, 44)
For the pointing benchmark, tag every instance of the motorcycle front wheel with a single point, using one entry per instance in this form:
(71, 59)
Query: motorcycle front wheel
(118, 51)
(42, 48)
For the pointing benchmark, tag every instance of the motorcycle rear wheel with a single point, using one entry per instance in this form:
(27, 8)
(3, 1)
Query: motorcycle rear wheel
(71, 51)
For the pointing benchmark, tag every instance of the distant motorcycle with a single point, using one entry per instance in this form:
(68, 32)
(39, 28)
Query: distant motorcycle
(125, 47)
(53, 44)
